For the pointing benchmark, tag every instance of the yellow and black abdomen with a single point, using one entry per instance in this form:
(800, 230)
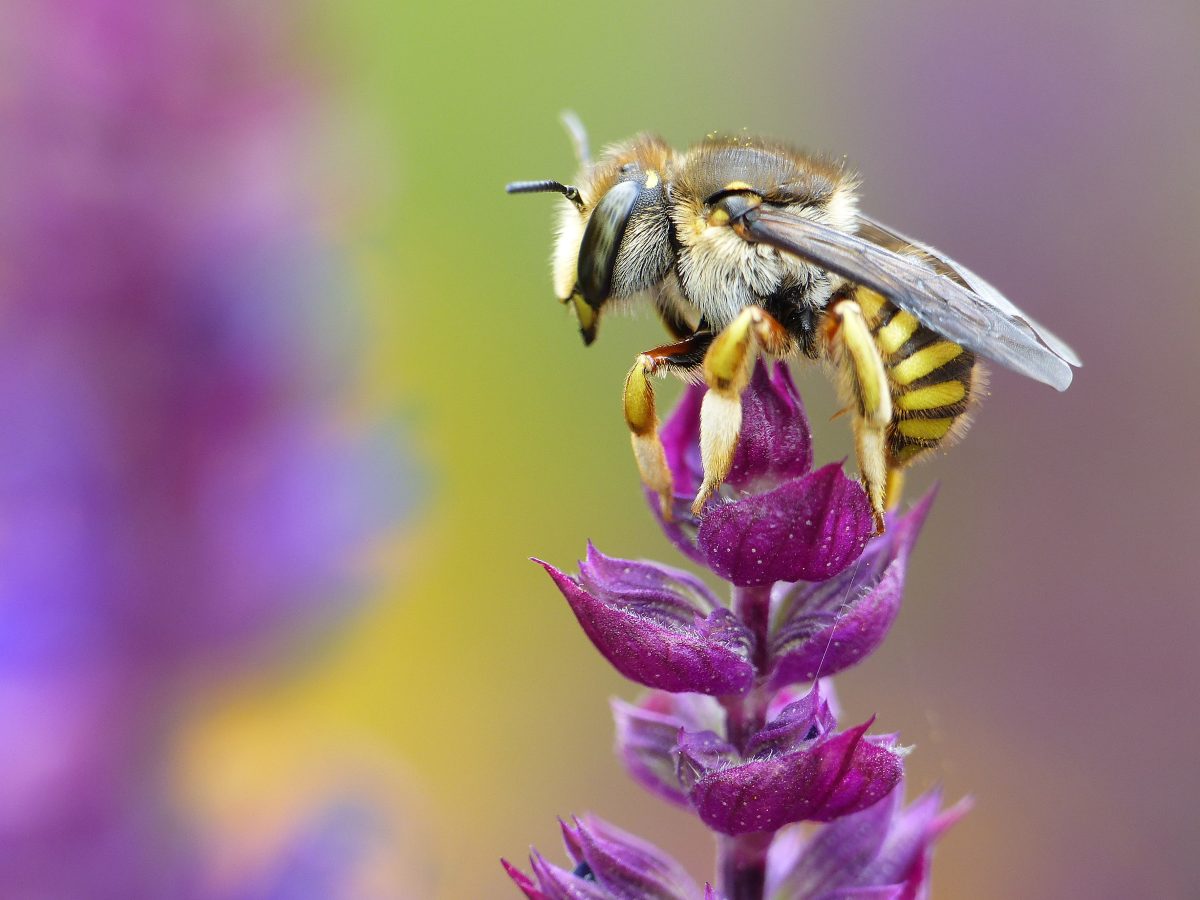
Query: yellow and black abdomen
(933, 381)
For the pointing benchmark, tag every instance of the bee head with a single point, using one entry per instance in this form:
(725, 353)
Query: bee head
(614, 228)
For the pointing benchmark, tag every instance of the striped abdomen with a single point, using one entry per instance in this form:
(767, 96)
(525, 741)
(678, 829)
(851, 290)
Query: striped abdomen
(933, 381)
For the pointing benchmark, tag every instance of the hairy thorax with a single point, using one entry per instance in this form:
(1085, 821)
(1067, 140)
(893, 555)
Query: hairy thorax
(719, 272)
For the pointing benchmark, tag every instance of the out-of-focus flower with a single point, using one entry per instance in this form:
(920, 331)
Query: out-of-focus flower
(609, 864)
(882, 852)
(657, 625)
(774, 519)
(178, 488)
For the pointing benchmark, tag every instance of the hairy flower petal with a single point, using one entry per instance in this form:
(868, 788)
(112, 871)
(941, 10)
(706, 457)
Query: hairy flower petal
(559, 884)
(610, 864)
(774, 442)
(831, 777)
(697, 753)
(527, 885)
(822, 628)
(797, 724)
(648, 732)
(680, 436)
(679, 594)
(809, 528)
(626, 865)
(645, 635)
(881, 851)
(774, 445)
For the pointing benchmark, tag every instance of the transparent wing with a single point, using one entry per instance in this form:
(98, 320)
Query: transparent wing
(878, 233)
(955, 310)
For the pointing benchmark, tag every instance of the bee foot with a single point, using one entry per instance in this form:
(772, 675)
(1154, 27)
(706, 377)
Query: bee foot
(642, 419)
(720, 424)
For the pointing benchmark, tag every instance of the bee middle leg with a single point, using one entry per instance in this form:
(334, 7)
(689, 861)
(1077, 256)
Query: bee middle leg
(727, 368)
(683, 358)
(862, 367)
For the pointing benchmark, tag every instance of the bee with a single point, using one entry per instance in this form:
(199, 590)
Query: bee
(746, 246)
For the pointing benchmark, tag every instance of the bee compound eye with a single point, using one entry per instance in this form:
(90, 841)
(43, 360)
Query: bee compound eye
(602, 241)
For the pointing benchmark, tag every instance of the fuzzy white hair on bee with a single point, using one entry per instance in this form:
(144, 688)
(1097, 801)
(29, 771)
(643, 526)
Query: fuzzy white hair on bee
(613, 237)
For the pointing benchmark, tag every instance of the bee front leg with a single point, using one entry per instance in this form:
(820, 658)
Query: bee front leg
(727, 367)
(858, 358)
(642, 417)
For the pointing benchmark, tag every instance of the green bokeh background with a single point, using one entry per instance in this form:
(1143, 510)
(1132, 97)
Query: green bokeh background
(1048, 636)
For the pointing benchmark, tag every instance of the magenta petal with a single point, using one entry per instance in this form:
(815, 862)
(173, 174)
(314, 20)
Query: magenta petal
(831, 778)
(645, 743)
(683, 527)
(834, 855)
(679, 594)
(809, 529)
(699, 753)
(884, 851)
(625, 865)
(774, 442)
(822, 628)
(523, 881)
(648, 733)
(907, 851)
(797, 724)
(610, 864)
(647, 638)
(680, 436)
(559, 884)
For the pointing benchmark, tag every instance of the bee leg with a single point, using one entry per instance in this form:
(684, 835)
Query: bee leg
(862, 367)
(727, 367)
(895, 486)
(642, 417)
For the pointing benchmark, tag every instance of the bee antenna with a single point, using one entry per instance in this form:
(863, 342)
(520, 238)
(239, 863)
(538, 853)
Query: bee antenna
(543, 187)
(578, 136)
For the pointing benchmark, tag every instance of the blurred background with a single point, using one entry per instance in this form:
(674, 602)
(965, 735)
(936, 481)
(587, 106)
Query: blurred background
(288, 402)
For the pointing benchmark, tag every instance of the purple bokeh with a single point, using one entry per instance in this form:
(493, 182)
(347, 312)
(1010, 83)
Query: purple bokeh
(178, 488)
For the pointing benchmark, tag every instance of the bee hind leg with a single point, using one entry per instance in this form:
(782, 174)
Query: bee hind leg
(641, 415)
(727, 368)
(862, 368)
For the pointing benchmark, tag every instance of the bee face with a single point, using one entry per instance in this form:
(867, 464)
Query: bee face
(615, 243)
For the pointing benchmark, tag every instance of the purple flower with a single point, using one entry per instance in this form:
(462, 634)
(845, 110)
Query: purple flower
(882, 852)
(774, 519)
(658, 626)
(609, 864)
(648, 733)
(796, 767)
(178, 485)
(822, 628)
(726, 734)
